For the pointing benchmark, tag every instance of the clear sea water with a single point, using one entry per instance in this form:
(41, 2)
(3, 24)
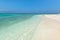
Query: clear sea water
(7, 19)
(17, 26)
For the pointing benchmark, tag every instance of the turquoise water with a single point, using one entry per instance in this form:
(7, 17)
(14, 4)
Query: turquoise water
(10, 19)
(18, 26)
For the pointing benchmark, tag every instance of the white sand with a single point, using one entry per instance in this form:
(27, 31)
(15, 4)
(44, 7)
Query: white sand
(48, 29)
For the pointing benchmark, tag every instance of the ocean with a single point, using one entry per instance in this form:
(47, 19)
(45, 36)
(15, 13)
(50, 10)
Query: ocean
(14, 26)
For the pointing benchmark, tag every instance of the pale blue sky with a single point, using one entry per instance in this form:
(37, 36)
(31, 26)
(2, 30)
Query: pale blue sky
(30, 5)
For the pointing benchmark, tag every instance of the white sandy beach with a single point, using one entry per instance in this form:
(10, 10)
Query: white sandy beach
(48, 29)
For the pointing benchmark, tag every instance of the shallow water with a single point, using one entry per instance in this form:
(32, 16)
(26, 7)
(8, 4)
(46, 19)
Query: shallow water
(18, 26)
(9, 19)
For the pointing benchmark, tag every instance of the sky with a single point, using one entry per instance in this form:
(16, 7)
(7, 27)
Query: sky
(30, 5)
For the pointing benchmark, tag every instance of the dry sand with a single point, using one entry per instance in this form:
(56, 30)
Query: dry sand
(48, 29)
